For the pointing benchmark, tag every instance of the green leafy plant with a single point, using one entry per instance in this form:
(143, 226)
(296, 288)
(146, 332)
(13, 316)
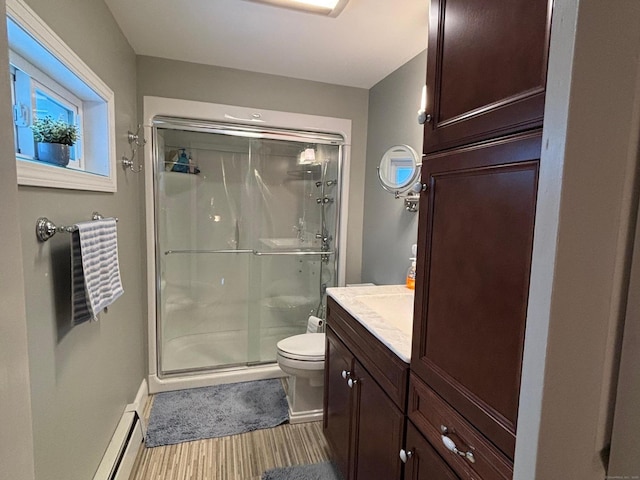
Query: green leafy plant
(48, 130)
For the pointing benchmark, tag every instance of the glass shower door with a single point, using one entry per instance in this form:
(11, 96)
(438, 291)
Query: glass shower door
(245, 236)
(204, 270)
(291, 267)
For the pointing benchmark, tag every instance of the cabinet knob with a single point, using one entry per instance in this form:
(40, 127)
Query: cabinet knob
(405, 455)
(345, 374)
(351, 382)
(423, 117)
(419, 187)
(451, 445)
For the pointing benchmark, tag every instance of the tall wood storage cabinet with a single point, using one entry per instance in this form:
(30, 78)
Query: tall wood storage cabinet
(486, 77)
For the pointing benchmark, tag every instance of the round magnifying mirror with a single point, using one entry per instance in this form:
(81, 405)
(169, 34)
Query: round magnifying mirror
(399, 168)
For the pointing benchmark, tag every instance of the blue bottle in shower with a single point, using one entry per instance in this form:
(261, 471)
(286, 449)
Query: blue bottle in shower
(182, 165)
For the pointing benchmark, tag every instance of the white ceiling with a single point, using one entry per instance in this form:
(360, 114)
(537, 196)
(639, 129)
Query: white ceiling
(366, 42)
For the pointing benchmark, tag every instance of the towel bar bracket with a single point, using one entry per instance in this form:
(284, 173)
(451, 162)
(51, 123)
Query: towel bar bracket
(45, 229)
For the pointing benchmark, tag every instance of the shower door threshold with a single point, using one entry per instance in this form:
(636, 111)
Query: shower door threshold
(200, 378)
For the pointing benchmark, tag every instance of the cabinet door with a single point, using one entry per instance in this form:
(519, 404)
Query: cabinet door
(475, 238)
(337, 417)
(378, 432)
(486, 69)
(424, 463)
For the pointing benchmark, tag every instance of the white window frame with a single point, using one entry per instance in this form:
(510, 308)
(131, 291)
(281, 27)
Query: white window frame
(99, 146)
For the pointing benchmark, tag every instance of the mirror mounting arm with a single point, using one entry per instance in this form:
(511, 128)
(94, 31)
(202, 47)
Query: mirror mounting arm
(412, 199)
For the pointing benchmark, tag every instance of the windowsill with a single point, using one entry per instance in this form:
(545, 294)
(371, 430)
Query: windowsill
(38, 174)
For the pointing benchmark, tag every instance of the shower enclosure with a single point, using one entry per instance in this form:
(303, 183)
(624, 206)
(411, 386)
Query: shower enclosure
(245, 238)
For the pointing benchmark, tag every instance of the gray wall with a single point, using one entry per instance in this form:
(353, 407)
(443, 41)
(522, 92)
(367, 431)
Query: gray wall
(190, 81)
(82, 378)
(389, 230)
(16, 441)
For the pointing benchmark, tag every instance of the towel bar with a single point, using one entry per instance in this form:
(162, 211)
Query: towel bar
(45, 228)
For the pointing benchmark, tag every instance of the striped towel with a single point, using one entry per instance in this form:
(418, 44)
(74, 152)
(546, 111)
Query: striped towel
(95, 277)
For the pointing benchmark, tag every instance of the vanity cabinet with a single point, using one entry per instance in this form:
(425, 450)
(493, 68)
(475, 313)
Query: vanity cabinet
(486, 69)
(476, 238)
(338, 401)
(364, 403)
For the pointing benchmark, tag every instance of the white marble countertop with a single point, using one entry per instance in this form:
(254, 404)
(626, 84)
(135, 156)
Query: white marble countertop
(385, 310)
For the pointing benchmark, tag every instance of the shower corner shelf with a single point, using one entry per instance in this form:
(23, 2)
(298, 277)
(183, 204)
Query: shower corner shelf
(306, 171)
(190, 169)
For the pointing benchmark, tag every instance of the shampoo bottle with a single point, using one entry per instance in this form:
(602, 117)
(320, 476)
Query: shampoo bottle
(182, 165)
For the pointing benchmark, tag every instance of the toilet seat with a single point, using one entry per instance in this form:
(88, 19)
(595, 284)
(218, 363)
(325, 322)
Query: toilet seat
(307, 347)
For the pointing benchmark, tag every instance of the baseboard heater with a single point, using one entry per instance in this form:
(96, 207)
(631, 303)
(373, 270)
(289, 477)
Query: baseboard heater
(121, 453)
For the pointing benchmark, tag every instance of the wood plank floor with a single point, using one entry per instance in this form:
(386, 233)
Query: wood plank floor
(237, 457)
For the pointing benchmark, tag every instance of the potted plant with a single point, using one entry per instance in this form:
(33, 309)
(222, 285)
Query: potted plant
(54, 137)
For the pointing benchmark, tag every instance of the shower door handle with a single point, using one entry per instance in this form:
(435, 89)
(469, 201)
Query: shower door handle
(171, 252)
(303, 252)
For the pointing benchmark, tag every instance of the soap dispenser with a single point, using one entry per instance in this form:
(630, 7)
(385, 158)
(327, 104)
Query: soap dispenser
(411, 273)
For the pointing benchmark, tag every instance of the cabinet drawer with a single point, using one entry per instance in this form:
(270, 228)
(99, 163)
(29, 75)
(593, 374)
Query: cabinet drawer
(389, 371)
(430, 413)
(424, 463)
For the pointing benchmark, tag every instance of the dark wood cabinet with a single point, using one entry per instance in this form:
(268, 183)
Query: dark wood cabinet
(380, 426)
(486, 82)
(362, 423)
(424, 463)
(475, 235)
(338, 401)
(486, 69)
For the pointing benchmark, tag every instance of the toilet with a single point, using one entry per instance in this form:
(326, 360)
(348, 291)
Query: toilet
(302, 358)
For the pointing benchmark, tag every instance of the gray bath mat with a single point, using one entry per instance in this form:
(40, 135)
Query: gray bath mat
(316, 471)
(218, 411)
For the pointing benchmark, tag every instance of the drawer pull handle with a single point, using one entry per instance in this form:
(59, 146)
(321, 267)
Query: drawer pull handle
(351, 382)
(451, 445)
(405, 455)
(345, 374)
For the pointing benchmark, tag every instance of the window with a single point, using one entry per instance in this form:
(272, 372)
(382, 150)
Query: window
(36, 95)
(403, 174)
(49, 103)
(400, 169)
(62, 87)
